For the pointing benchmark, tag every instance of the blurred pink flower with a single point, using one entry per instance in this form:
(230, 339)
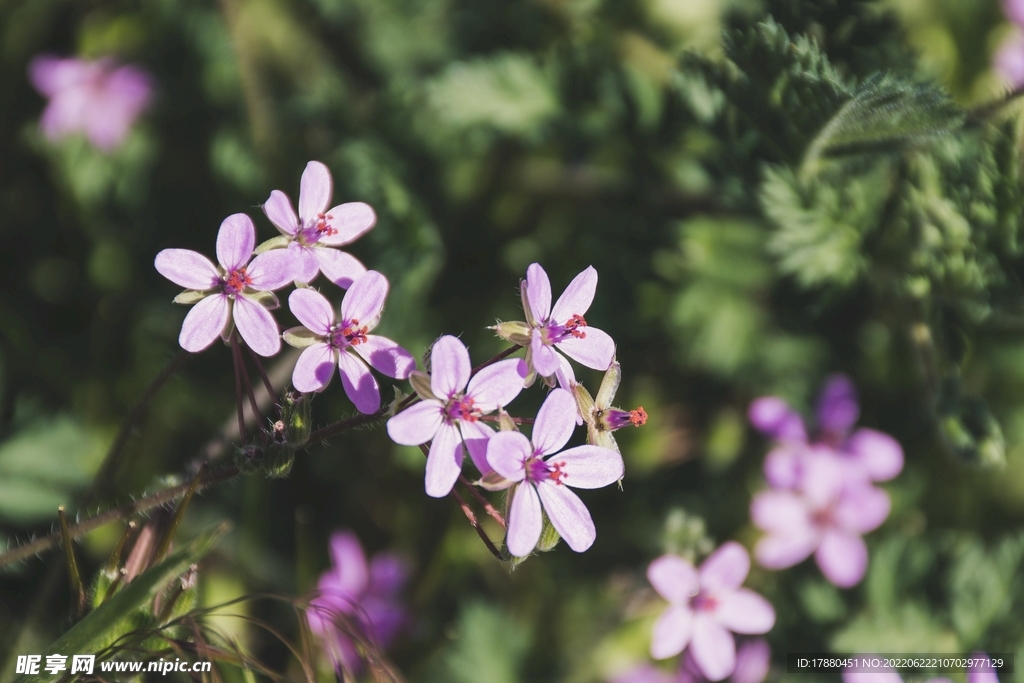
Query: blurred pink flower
(1009, 59)
(706, 607)
(366, 593)
(100, 99)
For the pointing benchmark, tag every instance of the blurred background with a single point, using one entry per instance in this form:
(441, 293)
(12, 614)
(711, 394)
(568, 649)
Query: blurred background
(666, 142)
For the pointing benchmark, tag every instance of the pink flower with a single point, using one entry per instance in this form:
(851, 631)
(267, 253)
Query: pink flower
(983, 673)
(825, 514)
(753, 659)
(347, 343)
(449, 417)
(544, 475)
(883, 676)
(311, 234)
(706, 607)
(236, 289)
(1008, 61)
(366, 593)
(563, 326)
(97, 98)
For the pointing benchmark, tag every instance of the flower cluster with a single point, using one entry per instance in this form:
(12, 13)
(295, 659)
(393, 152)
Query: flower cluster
(822, 497)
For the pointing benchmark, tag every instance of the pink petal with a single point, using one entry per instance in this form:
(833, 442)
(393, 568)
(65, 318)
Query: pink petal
(314, 192)
(360, 386)
(50, 75)
(674, 578)
(449, 367)
(568, 515)
(672, 632)
(555, 422)
(779, 511)
(881, 455)
(744, 611)
(273, 269)
(862, 508)
(753, 659)
(596, 350)
(644, 673)
(314, 368)
(187, 268)
(984, 673)
(204, 323)
(822, 478)
(725, 569)
(713, 648)
(444, 462)
(837, 409)
(364, 300)
(307, 267)
(506, 453)
(476, 436)
(1008, 60)
(871, 677)
(496, 385)
(842, 557)
(386, 356)
(416, 424)
(773, 417)
(589, 467)
(349, 560)
(782, 550)
(257, 327)
(351, 221)
(280, 212)
(1014, 10)
(543, 357)
(312, 309)
(784, 465)
(235, 241)
(337, 266)
(538, 292)
(577, 297)
(524, 521)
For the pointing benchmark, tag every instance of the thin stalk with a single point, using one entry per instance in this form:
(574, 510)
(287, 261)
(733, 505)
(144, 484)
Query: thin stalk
(468, 512)
(484, 503)
(74, 577)
(236, 349)
(263, 373)
(238, 389)
(165, 543)
(517, 420)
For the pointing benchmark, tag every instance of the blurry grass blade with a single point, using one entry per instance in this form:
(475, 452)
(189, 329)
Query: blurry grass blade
(74, 578)
(179, 512)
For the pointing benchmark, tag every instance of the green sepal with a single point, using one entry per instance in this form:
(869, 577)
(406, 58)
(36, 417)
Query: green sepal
(492, 481)
(526, 304)
(300, 337)
(279, 242)
(192, 296)
(609, 385)
(584, 403)
(514, 331)
(295, 414)
(267, 300)
(420, 382)
(549, 537)
(505, 422)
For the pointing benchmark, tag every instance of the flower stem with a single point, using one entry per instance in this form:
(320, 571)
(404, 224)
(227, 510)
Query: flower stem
(263, 373)
(468, 511)
(486, 504)
(238, 388)
(517, 420)
(237, 350)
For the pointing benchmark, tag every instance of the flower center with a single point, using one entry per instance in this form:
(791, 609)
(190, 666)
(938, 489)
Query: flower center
(347, 334)
(462, 408)
(319, 228)
(554, 333)
(704, 602)
(237, 280)
(538, 470)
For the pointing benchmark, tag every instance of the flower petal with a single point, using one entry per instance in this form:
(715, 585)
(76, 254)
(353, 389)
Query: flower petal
(187, 268)
(312, 309)
(496, 385)
(364, 300)
(524, 521)
(542, 356)
(235, 241)
(273, 269)
(257, 327)
(506, 453)
(753, 660)
(307, 267)
(822, 478)
(596, 350)
(476, 436)
(339, 267)
(779, 511)
(672, 632)
(674, 578)
(204, 323)
(538, 292)
(449, 367)
(837, 405)
(781, 550)
(773, 417)
(314, 369)
(568, 515)
(880, 454)
(349, 561)
(280, 212)
(784, 465)
(444, 461)
(360, 386)
(314, 192)
(589, 467)
(842, 557)
(555, 422)
(862, 508)
(713, 648)
(577, 297)
(416, 424)
(725, 569)
(744, 611)
(386, 356)
(351, 221)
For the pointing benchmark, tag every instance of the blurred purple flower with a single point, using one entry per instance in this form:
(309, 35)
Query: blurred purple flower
(1008, 61)
(237, 288)
(825, 513)
(314, 230)
(706, 607)
(645, 673)
(543, 476)
(981, 674)
(449, 417)
(888, 676)
(329, 343)
(100, 99)
(368, 594)
(753, 659)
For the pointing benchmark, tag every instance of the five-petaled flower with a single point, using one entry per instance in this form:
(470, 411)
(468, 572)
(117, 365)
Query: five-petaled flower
(345, 343)
(544, 474)
(449, 412)
(100, 98)
(601, 416)
(704, 606)
(310, 235)
(360, 594)
(236, 289)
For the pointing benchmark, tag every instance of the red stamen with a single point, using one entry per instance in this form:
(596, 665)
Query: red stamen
(638, 417)
(557, 475)
(576, 321)
(237, 280)
(322, 226)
